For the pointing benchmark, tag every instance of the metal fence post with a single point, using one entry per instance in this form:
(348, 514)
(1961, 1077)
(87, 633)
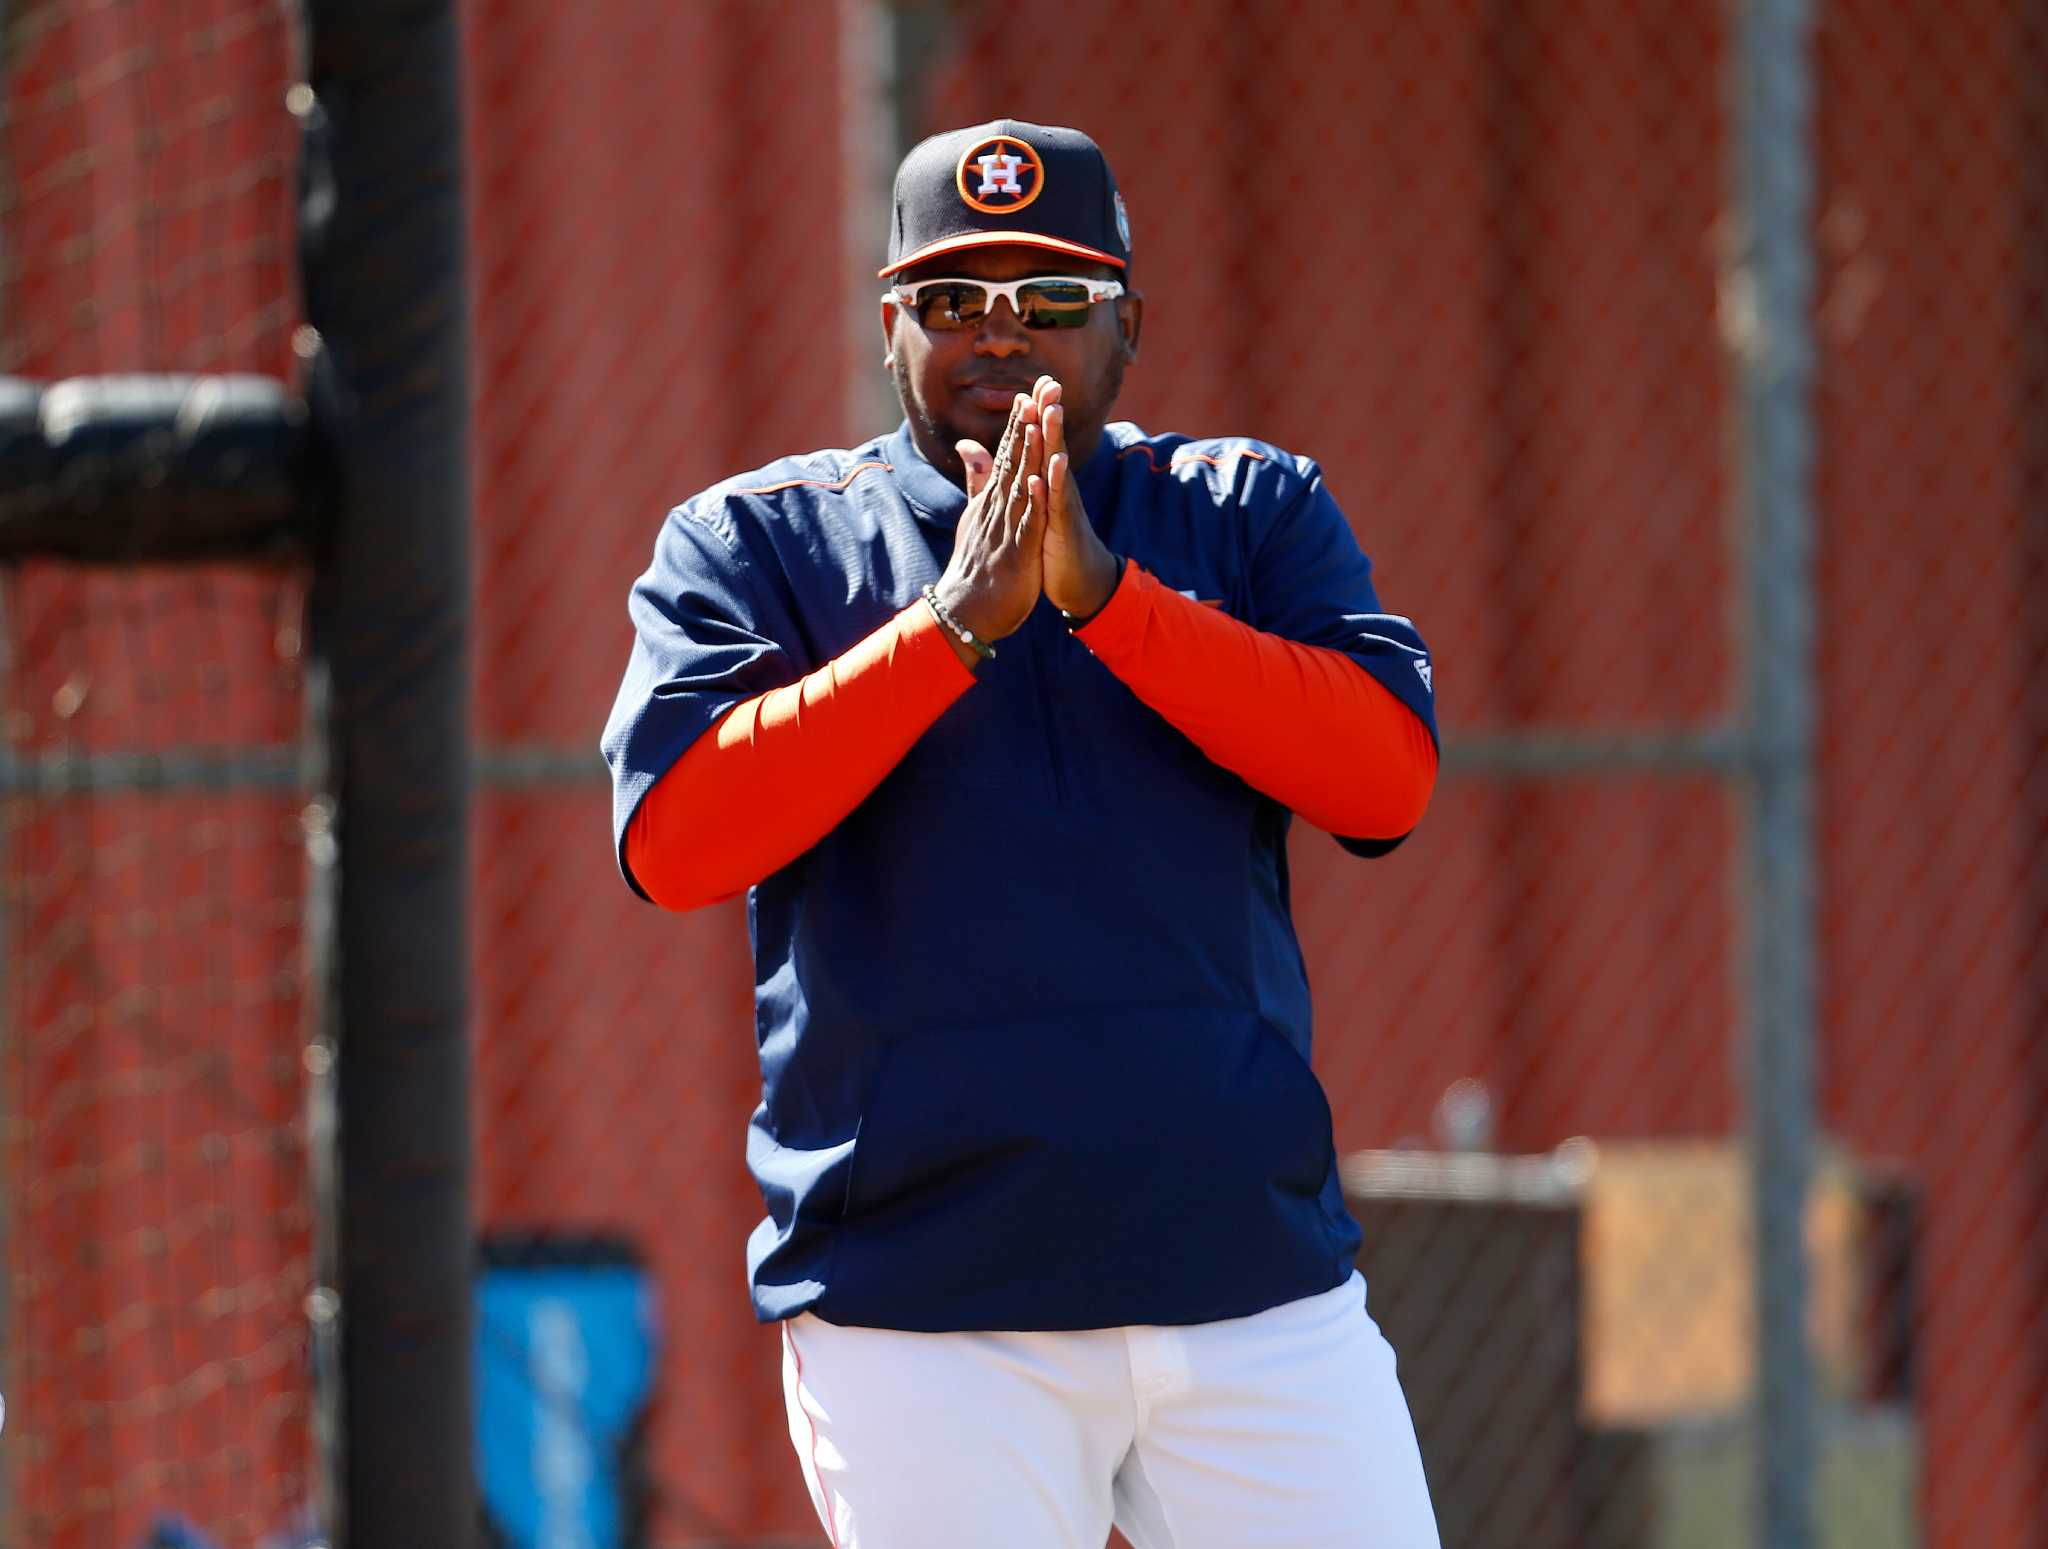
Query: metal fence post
(381, 235)
(1767, 313)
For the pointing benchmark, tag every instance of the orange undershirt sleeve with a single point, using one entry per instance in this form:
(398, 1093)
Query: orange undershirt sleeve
(1309, 727)
(776, 773)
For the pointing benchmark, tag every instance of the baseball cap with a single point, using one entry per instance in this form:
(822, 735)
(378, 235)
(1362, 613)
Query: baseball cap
(1004, 182)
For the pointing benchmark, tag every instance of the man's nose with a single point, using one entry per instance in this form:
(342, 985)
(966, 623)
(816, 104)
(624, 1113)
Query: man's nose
(1001, 333)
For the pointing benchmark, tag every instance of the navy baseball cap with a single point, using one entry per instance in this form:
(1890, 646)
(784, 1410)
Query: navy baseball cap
(1007, 182)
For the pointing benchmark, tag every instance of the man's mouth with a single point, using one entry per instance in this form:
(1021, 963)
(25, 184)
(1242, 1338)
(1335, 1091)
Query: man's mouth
(993, 397)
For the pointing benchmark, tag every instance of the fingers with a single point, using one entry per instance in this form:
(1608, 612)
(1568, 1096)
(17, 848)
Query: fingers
(1056, 484)
(1052, 416)
(1001, 487)
(1023, 440)
(1006, 452)
(976, 462)
(1054, 419)
(1018, 507)
(1046, 396)
(1010, 454)
(995, 575)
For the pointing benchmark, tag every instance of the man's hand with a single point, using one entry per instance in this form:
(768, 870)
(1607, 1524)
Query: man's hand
(993, 580)
(1080, 571)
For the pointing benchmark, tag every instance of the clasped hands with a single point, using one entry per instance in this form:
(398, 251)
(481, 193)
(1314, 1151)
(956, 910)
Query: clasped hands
(1024, 532)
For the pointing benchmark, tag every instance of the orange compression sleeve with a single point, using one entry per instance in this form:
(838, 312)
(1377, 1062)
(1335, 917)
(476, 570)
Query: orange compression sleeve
(774, 774)
(1307, 726)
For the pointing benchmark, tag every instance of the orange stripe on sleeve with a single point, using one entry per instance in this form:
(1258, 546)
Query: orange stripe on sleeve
(1307, 726)
(1180, 458)
(855, 472)
(777, 773)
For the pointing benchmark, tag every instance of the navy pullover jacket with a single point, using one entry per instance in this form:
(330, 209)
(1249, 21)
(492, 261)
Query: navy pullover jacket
(1033, 1022)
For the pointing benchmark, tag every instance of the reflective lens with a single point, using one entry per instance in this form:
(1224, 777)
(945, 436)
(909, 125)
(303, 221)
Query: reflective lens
(941, 305)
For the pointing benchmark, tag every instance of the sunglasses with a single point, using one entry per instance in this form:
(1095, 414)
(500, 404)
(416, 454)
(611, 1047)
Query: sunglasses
(1047, 301)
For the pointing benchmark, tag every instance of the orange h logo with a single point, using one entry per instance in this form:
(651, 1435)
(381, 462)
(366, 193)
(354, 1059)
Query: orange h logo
(999, 176)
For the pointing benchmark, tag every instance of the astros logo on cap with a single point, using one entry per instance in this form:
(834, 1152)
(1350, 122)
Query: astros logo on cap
(1000, 175)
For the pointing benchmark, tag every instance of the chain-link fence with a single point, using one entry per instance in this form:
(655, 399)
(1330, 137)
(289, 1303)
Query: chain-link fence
(158, 1234)
(1492, 266)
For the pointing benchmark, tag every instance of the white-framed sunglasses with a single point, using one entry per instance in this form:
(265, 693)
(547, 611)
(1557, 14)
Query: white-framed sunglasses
(1043, 301)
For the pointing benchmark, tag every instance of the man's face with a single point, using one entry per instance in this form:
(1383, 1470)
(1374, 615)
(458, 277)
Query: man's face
(957, 384)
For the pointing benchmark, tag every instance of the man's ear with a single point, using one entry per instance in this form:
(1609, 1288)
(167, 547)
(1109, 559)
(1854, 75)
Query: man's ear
(888, 332)
(1130, 321)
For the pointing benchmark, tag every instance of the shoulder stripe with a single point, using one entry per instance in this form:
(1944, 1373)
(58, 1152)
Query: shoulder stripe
(1187, 457)
(857, 470)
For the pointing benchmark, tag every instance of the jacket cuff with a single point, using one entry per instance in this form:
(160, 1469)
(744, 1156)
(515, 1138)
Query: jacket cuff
(1120, 621)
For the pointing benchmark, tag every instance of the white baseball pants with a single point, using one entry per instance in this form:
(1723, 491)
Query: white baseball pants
(1284, 1430)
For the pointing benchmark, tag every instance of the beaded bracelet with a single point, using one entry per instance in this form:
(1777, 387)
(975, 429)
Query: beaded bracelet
(946, 620)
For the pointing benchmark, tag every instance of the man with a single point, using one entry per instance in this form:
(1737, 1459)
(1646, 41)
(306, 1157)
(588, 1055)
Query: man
(1001, 719)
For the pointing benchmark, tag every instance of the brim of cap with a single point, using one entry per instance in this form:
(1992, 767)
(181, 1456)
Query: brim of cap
(998, 239)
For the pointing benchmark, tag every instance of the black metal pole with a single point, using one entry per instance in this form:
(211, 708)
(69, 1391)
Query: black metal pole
(382, 263)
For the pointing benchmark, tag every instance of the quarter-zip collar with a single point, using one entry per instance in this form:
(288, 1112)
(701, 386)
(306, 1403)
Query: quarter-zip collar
(938, 500)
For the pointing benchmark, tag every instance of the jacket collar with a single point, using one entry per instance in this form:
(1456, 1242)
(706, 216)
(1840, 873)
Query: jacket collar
(939, 500)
